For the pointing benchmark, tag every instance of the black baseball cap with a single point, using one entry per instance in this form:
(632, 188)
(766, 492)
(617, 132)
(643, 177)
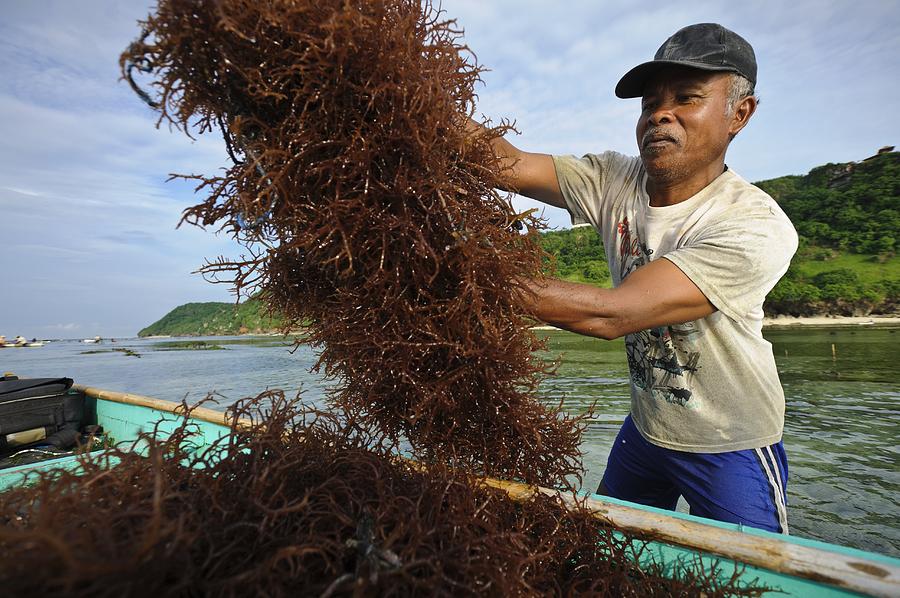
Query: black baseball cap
(705, 46)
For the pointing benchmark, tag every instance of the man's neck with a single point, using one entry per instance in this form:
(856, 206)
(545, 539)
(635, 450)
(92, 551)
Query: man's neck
(668, 193)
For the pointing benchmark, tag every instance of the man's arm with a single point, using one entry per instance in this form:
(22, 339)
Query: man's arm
(532, 175)
(656, 294)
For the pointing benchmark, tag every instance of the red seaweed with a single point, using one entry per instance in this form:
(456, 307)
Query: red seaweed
(371, 217)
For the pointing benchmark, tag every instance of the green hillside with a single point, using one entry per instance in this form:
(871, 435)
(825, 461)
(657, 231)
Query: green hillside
(577, 255)
(821, 280)
(848, 219)
(201, 319)
(853, 207)
(847, 215)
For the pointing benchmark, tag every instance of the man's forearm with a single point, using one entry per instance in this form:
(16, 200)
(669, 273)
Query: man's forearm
(576, 307)
(508, 154)
(656, 294)
(529, 174)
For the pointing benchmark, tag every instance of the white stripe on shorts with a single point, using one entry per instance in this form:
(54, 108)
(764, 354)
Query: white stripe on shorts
(783, 505)
(776, 486)
(781, 487)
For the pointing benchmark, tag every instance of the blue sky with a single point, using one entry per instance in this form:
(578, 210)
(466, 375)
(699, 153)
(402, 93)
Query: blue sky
(87, 220)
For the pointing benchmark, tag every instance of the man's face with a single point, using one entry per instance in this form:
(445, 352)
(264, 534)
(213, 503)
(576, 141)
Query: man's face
(684, 124)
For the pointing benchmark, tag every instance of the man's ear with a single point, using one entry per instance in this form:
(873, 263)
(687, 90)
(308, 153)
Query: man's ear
(742, 113)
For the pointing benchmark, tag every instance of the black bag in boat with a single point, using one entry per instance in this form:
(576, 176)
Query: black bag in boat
(39, 411)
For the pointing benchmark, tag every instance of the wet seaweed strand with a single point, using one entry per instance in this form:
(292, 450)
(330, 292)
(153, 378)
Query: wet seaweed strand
(371, 218)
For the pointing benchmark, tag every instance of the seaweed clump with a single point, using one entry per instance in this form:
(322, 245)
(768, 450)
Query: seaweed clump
(370, 215)
(320, 509)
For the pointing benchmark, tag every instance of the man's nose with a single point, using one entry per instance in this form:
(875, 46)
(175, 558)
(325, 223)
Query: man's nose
(662, 114)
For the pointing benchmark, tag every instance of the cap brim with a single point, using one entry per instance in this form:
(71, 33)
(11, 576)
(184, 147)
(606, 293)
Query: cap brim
(631, 85)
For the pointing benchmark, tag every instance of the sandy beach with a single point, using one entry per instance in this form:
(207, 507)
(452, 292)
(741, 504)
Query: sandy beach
(789, 321)
(822, 321)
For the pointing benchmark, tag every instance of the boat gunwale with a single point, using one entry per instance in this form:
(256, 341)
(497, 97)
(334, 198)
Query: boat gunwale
(206, 414)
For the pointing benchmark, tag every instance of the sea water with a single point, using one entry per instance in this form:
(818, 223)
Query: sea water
(842, 419)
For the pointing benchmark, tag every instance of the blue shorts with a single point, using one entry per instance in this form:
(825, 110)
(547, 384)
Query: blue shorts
(747, 487)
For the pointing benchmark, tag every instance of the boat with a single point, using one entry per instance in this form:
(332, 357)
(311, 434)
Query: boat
(96, 339)
(18, 342)
(791, 566)
(21, 345)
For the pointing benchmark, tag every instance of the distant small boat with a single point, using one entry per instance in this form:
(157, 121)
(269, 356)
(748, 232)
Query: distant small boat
(37, 344)
(96, 339)
(14, 344)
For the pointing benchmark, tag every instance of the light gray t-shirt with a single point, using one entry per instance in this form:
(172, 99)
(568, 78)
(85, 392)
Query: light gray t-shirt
(709, 385)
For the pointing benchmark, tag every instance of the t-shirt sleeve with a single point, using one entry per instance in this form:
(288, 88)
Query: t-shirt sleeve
(589, 183)
(737, 261)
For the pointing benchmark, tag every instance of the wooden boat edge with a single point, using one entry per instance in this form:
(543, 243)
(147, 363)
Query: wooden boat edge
(201, 413)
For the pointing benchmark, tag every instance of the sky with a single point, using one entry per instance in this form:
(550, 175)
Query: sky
(88, 221)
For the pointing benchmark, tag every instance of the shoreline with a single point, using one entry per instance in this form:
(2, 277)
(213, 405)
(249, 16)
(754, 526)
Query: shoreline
(830, 321)
(812, 322)
(825, 321)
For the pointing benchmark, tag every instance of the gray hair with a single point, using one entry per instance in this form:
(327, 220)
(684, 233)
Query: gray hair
(740, 88)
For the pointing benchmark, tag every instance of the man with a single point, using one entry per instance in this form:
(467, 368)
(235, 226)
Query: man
(693, 250)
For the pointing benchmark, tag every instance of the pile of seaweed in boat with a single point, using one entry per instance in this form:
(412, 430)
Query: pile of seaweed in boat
(298, 503)
(369, 214)
(369, 217)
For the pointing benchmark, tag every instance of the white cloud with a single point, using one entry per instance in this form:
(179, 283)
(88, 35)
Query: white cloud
(82, 168)
(63, 327)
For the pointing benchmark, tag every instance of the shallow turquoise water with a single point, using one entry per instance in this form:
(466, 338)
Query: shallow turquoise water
(841, 431)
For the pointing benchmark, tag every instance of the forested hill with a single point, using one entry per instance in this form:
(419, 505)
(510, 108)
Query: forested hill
(853, 207)
(213, 318)
(847, 215)
(848, 219)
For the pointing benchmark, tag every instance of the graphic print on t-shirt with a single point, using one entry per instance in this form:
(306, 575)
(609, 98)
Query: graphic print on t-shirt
(653, 355)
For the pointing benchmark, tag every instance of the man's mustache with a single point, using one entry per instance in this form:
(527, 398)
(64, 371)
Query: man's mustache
(657, 134)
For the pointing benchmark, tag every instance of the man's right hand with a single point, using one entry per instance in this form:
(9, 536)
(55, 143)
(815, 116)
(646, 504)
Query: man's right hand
(532, 175)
